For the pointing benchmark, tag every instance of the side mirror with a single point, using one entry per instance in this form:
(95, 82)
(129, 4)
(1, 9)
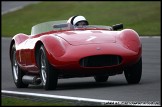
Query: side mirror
(117, 26)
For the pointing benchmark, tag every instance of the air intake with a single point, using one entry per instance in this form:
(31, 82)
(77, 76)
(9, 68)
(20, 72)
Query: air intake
(100, 61)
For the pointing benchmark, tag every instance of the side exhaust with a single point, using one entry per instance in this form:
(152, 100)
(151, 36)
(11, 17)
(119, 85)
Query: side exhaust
(35, 80)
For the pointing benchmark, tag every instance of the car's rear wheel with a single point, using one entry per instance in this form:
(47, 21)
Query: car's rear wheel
(101, 78)
(49, 75)
(17, 72)
(133, 74)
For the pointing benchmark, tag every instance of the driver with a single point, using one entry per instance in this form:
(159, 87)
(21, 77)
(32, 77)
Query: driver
(78, 21)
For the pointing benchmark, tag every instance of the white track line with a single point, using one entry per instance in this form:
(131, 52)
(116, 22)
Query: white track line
(103, 102)
(54, 96)
(18, 8)
(13, 9)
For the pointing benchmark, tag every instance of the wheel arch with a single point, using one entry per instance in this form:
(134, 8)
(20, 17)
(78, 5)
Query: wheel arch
(131, 40)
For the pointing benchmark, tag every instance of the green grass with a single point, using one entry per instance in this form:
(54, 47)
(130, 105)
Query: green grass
(10, 101)
(143, 17)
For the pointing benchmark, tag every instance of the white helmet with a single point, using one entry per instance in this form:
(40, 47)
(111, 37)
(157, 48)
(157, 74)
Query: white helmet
(74, 20)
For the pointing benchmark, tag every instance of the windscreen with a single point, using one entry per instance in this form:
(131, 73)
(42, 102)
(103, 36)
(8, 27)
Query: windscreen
(47, 26)
(62, 25)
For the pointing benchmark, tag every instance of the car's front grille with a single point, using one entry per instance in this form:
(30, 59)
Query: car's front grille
(100, 61)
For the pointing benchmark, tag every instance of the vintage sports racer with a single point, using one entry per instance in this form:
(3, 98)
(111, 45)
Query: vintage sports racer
(57, 50)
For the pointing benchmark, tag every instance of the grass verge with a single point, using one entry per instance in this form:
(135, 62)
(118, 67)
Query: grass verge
(13, 101)
(142, 16)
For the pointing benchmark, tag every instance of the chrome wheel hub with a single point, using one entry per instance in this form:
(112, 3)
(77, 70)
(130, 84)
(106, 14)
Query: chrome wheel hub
(15, 67)
(43, 69)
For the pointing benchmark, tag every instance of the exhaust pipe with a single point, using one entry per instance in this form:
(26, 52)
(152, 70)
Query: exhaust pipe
(35, 80)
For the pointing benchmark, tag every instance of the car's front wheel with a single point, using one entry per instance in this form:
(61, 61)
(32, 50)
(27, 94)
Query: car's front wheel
(17, 72)
(133, 73)
(49, 75)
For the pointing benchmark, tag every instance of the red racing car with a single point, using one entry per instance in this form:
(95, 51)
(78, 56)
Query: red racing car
(57, 50)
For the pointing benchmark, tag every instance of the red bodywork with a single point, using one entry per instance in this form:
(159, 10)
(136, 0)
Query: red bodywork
(66, 48)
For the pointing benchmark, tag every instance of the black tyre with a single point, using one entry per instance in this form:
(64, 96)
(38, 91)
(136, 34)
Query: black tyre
(17, 72)
(101, 78)
(133, 74)
(49, 75)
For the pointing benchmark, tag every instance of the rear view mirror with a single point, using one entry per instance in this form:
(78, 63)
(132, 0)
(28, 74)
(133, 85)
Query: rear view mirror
(60, 26)
(117, 26)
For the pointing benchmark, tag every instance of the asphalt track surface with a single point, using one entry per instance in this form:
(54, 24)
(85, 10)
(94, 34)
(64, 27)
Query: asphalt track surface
(116, 88)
